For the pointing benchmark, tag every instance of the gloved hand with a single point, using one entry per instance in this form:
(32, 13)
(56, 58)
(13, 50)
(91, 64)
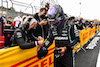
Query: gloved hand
(41, 52)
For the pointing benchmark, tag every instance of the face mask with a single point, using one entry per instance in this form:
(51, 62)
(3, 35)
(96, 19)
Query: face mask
(18, 16)
(42, 16)
(4, 15)
(9, 20)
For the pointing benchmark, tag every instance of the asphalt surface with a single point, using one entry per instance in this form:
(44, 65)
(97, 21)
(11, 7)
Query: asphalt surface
(88, 58)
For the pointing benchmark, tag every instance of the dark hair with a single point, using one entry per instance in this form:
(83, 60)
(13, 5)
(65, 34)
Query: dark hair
(86, 21)
(42, 9)
(72, 18)
(10, 17)
(24, 18)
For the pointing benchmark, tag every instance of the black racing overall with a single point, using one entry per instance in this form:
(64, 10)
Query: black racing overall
(61, 37)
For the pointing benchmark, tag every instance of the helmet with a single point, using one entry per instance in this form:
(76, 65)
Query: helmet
(55, 14)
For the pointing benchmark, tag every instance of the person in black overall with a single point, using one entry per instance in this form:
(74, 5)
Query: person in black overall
(59, 31)
(23, 38)
(73, 35)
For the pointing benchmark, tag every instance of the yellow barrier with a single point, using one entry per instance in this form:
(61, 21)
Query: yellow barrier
(84, 35)
(99, 27)
(16, 57)
(76, 48)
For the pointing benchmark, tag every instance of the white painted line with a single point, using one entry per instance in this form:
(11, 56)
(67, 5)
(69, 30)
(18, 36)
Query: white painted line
(93, 43)
(98, 33)
(98, 60)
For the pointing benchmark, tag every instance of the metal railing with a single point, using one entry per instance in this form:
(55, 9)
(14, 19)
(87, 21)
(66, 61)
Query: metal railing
(13, 2)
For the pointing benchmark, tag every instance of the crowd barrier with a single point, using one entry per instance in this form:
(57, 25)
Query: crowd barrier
(85, 35)
(16, 57)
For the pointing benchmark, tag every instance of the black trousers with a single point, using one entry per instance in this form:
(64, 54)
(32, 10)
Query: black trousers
(64, 61)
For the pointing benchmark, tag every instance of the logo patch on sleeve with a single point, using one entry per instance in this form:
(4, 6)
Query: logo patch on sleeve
(19, 35)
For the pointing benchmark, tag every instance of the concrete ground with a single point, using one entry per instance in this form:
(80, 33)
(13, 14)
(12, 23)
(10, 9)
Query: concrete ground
(88, 58)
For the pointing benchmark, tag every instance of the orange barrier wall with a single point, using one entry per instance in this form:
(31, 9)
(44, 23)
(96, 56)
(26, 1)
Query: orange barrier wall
(84, 35)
